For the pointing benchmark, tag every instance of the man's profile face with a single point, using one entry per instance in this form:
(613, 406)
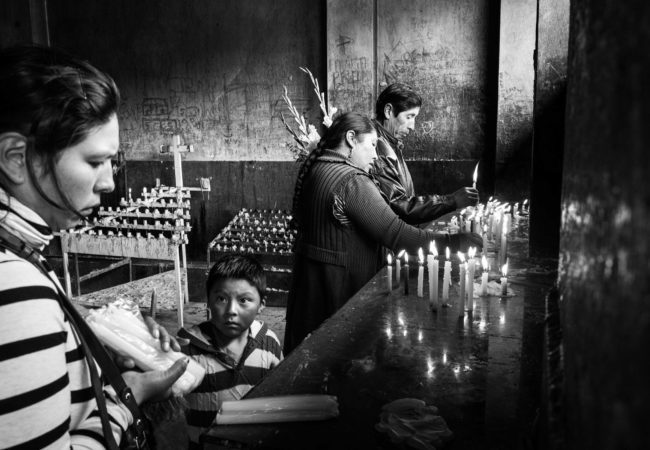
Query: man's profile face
(402, 124)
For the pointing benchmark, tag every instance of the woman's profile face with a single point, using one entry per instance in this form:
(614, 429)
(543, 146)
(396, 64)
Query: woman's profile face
(84, 172)
(365, 150)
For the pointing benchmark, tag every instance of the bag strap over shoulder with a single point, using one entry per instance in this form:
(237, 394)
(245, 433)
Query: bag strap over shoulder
(92, 348)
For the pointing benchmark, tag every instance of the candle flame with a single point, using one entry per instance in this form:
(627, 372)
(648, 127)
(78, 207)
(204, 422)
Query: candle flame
(485, 228)
(433, 249)
(461, 257)
(471, 252)
(420, 255)
(406, 258)
(504, 269)
(484, 262)
(401, 252)
(447, 253)
(389, 259)
(475, 177)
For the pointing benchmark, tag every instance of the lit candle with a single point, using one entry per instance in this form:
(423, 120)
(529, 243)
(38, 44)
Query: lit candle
(389, 272)
(446, 278)
(420, 273)
(468, 224)
(406, 273)
(461, 298)
(505, 226)
(484, 276)
(398, 267)
(504, 279)
(475, 177)
(432, 264)
(471, 268)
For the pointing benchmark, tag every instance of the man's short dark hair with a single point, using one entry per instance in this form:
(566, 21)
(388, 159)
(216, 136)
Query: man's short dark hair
(401, 96)
(237, 266)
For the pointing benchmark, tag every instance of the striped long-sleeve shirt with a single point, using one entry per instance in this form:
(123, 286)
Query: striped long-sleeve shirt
(226, 379)
(46, 397)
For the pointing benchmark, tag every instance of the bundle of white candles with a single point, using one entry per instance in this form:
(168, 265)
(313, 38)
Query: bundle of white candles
(126, 333)
(288, 408)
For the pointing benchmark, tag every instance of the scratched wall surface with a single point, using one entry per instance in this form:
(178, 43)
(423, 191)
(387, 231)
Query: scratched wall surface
(350, 55)
(515, 99)
(211, 71)
(548, 136)
(439, 47)
(605, 245)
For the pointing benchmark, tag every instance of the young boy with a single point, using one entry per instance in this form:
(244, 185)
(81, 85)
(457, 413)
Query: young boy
(236, 350)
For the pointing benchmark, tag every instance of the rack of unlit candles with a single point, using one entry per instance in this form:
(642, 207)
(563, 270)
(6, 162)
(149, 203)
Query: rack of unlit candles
(257, 231)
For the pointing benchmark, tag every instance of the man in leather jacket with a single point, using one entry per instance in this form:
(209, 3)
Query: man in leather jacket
(396, 109)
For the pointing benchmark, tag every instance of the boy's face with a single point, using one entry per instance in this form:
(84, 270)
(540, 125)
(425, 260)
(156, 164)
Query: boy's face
(234, 303)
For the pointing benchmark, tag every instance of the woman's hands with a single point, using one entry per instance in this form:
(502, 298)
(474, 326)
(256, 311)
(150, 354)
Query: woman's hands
(154, 385)
(159, 332)
(463, 241)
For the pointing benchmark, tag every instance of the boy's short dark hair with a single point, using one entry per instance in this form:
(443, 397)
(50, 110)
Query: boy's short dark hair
(238, 266)
(401, 96)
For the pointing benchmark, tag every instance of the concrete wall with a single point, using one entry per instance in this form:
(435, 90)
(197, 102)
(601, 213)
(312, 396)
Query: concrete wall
(214, 73)
(548, 135)
(605, 245)
(518, 21)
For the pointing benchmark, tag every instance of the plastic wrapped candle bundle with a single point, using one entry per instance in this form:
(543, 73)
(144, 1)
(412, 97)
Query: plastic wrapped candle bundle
(289, 408)
(120, 326)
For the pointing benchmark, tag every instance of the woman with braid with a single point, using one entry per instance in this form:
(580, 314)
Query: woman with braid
(343, 224)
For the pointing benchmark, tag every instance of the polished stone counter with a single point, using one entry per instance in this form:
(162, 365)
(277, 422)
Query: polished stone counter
(483, 371)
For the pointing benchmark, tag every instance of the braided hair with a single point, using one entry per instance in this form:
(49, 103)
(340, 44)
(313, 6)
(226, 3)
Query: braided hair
(349, 121)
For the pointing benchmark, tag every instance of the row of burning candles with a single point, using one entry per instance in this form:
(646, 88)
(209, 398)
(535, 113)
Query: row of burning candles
(466, 279)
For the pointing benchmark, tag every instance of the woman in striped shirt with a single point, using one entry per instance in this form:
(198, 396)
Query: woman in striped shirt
(58, 133)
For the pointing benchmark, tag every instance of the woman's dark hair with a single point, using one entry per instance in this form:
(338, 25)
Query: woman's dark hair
(401, 96)
(237, 266)
(331, 139)
(53, 99)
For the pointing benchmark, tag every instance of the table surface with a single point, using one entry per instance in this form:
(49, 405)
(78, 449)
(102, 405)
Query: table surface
(139, 291)
(483, 371)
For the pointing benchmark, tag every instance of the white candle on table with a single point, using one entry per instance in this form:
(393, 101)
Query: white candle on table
(432, 264)
(461, 297)
(398, 266)
(504, 279)
(505, 227)
(484, 276)
(446, 278)
(475, 176)
(471, 268)
(420, 292)
(389, 272)
(406, 273)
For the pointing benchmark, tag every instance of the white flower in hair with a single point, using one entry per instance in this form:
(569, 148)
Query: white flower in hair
(307, 136)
